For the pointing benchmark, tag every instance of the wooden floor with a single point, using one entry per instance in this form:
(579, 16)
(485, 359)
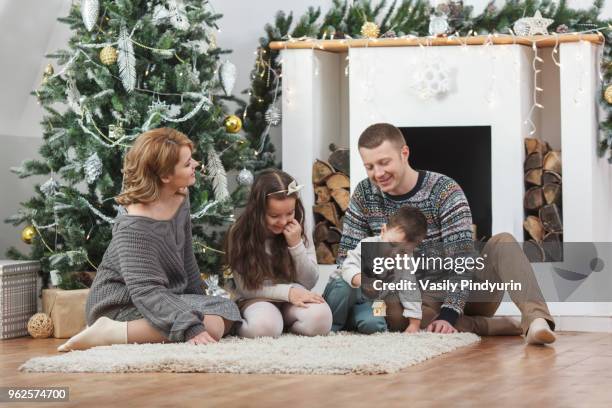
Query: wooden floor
(502, 371)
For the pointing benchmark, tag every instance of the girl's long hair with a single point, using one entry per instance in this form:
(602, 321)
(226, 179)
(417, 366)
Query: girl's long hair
(245, 243)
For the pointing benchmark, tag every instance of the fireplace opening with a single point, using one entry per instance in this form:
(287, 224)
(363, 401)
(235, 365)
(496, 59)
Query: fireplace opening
(462, 153)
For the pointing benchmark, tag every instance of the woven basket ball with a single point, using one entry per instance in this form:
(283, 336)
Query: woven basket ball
(40, 326)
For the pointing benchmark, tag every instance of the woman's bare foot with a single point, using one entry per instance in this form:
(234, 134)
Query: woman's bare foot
(103, 332)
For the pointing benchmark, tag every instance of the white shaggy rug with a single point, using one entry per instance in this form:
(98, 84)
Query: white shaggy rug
(341, 353)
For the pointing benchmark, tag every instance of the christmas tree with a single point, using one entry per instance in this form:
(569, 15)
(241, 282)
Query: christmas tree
(130, 66)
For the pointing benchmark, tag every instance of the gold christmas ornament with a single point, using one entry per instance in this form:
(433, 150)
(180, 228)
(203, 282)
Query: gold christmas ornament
(108, 55)
(28, 234)
(608, 94)
(116, 131)
(49, 70)
(370, 30)
(40, 326)
(232, 124)
(227, 273)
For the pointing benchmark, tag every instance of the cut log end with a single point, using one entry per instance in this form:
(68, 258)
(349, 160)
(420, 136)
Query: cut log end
(329, 212)
(342, 197)
(552, 161)
(323, 195)
(534, 161)
(338, 180)
(320, 171)
(551, 218)
(534, 198)
(552, 193)
(534, 227)
(550, 177)
(324, 254)
(534, 177)
(553, 247)
(534, 251)
(536, 145)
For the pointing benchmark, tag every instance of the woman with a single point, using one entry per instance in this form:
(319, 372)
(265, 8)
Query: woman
(148, 287)
(273, 265)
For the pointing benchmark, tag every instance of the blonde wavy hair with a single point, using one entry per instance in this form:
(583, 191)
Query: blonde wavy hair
(152, 156)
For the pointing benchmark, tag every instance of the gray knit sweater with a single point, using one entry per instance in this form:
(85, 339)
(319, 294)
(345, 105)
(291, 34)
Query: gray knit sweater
(148, 264)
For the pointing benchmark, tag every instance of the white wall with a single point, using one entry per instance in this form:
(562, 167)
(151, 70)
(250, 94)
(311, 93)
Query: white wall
(28, 30)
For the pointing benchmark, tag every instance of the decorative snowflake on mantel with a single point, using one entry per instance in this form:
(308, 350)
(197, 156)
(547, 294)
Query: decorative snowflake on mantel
(430, 79)
(532, 25)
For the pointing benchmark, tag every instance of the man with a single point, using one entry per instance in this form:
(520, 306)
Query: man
(393, 183)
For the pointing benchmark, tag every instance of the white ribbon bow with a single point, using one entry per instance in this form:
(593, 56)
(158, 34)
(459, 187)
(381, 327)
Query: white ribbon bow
(293, 187)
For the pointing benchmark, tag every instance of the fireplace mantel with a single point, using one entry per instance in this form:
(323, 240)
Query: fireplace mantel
(343, 45)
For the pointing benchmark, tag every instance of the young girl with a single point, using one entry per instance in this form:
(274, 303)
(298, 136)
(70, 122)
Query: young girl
(273, 265)
(148, 287)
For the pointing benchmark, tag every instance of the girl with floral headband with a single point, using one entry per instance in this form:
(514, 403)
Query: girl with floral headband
(273, 265)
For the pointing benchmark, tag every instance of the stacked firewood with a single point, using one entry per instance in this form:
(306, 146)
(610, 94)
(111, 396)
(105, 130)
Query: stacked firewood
(331, 187)
(542, 202)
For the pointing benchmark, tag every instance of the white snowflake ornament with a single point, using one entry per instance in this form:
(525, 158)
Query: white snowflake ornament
(158, 106)
(430, 80)
(273, 116)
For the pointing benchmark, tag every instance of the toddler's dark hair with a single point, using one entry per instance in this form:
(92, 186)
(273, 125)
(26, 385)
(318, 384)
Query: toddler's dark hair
(411, 221)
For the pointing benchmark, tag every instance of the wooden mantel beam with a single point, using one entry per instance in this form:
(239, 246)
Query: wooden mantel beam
(541, 41)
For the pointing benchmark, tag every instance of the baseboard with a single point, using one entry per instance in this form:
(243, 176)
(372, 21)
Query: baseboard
(574, 316)
(594, 324)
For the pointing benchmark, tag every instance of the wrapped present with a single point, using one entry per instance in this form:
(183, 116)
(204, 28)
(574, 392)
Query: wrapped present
(18, 298)
(67, 310)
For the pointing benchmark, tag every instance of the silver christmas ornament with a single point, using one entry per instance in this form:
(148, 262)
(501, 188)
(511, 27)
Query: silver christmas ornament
(227, 75)
(213, 288)
(93, 168)
(245, 177)
(90, 10)
(521, 28)
(273, 116)
(438, 25)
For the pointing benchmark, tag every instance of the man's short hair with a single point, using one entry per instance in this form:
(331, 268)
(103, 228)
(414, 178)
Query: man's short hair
(411, 221)
(378, 133)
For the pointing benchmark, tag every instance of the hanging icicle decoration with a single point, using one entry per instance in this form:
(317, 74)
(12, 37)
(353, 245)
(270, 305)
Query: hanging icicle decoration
(126, 60)
(90, 10)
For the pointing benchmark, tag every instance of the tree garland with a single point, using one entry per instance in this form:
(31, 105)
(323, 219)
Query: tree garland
(402, 17)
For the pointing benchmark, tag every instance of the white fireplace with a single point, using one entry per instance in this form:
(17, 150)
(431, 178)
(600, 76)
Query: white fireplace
(489, 86)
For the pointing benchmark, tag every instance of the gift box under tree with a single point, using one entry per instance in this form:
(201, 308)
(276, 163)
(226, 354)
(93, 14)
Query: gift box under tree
(66, 309)
(18, 296)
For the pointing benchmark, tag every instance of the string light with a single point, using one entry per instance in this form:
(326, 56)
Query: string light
(490, 39)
